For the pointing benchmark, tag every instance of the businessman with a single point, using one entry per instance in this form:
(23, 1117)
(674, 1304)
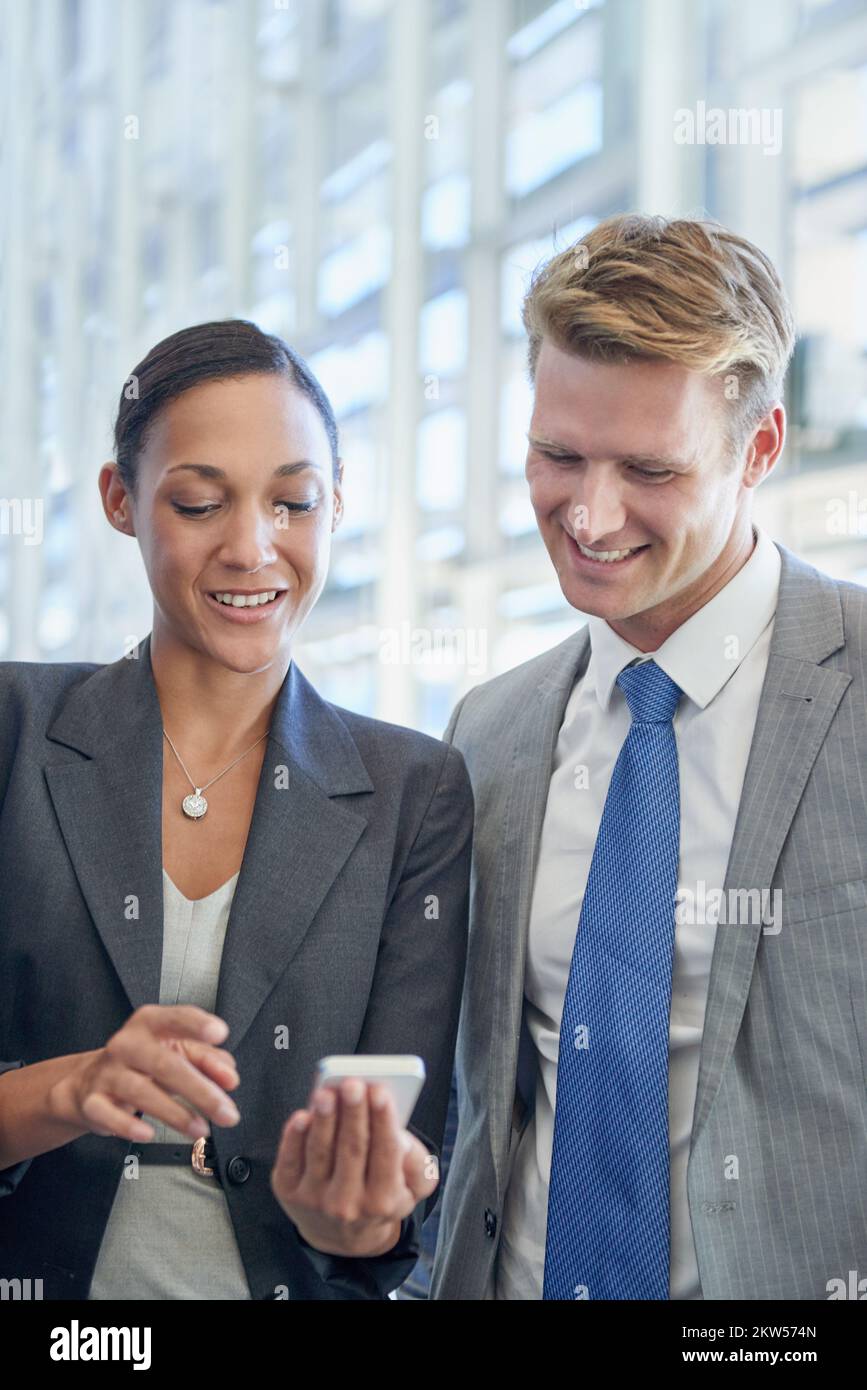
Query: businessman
(663, 1038)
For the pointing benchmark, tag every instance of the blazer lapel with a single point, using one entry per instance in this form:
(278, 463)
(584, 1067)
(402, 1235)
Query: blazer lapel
(798, 701)
(522, 800)
(110, 814)
(301, 835)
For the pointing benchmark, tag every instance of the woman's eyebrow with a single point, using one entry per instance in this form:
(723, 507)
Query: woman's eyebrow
(210, 470)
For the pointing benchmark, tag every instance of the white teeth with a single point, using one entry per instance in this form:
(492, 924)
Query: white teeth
(606, 555)
(245, 600)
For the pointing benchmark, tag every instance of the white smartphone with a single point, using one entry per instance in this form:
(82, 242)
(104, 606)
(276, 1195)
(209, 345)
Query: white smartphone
(402, 1074)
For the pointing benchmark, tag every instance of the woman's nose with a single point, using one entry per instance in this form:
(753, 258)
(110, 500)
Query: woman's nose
(248, 542)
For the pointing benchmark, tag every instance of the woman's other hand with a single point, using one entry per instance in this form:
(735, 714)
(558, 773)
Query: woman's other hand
(346, 1174)
(161, 1052)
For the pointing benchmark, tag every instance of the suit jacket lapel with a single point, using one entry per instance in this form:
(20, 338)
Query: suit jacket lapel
(301, 835)
(523, 798)
(110, 814)
(798, 701)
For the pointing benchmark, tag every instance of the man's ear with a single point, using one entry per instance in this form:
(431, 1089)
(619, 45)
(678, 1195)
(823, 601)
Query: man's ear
(766, 445)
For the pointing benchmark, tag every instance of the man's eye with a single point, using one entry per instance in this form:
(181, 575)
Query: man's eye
(296, 506)
(653, 472)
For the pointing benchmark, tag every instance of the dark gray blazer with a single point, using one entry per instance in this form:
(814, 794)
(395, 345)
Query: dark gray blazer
(348, 927)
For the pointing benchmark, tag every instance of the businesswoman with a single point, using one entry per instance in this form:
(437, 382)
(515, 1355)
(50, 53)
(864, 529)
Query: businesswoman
(196, 849)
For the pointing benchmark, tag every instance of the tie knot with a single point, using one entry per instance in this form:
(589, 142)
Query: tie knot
(651, 695)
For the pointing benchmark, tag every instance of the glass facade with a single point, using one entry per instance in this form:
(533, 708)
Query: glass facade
(375, 180)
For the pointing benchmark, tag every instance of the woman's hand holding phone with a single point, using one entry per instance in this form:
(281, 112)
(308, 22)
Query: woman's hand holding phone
(347, 1174)
(162, 1051)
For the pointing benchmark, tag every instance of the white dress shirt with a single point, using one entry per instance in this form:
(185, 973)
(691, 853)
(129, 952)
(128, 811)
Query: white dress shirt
(718, 657)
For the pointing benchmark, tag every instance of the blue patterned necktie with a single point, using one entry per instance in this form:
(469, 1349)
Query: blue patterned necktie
(608, 1210)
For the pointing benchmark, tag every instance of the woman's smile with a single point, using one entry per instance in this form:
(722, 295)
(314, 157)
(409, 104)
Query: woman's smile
(246, 605)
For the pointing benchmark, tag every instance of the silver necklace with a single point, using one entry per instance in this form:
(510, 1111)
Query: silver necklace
(195, 805)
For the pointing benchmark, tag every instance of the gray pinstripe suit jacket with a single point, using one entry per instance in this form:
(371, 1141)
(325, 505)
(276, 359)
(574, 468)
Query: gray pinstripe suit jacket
(784, 1052)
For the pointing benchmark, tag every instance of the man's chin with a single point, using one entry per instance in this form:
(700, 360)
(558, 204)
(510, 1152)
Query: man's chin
(589, 599)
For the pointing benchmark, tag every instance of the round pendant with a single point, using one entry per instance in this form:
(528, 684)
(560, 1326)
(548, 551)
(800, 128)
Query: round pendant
(194, 805)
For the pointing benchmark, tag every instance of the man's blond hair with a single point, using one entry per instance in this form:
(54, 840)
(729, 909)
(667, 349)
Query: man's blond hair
(682, 290)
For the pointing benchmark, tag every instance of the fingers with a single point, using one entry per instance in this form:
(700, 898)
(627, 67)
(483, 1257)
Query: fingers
(106, 1117)
(139, 1047)
(215, 1062)
(124, 1086)
(288, 1172)
(181, 1021)
(163, 1062)
(351, 1151)
(384, 1168)
(420, 1169)
(319, 1156)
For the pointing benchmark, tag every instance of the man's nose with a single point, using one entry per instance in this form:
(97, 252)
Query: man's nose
(598, 513)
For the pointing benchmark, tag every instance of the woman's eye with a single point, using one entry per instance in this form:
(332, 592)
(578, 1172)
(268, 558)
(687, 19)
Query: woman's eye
(206, 508)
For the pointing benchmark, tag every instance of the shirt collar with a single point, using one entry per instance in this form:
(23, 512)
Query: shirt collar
(706, 650)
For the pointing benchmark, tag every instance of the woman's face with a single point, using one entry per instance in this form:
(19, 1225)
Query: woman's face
(235, 495)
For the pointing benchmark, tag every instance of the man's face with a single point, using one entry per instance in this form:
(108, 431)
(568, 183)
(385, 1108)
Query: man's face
(633, 457)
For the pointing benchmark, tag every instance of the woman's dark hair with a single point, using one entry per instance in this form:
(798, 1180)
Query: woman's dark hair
(219, 351)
